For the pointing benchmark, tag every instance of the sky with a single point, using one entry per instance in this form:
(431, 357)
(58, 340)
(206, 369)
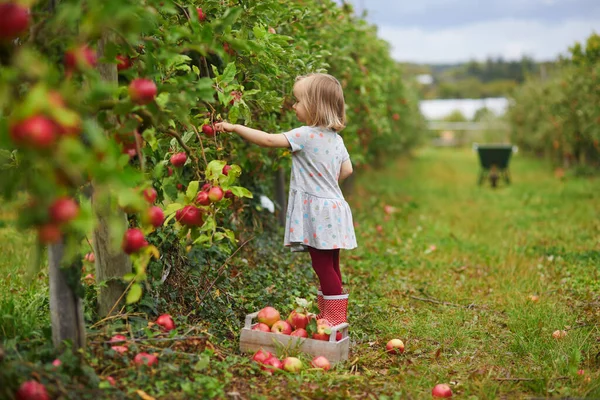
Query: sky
(449, 31)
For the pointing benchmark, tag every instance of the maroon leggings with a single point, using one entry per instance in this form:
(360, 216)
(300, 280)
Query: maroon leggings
(326, 264)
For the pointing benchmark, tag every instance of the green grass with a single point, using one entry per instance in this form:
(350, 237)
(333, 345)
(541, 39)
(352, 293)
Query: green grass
(462, 307)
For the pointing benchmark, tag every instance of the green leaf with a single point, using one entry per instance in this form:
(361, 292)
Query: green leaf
(214, 169)
(241, 192)
(162, 100)
(134, 294)
(228, 74)
(234, 113)
(192, 190)
(202, 363)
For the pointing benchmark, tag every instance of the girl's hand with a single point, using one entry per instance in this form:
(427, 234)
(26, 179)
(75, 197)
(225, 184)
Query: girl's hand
(224, 127)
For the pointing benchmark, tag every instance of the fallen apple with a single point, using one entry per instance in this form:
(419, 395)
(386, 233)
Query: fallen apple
(32, 390)
(321, 362)
(145, 359)
(268, 316)
(57, 363)
(441, 391)
(292, 364)
(120, 349)
(261, 356)
(559, 334)
(534, 298)
(166, 322)
(271, 364)
(111, 380)
(281, 327)
(395, 346)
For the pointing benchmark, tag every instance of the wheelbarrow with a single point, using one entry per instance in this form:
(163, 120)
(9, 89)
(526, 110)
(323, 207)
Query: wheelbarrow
(494, 159)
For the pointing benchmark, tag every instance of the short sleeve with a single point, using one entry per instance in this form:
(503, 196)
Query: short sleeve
(297, 138)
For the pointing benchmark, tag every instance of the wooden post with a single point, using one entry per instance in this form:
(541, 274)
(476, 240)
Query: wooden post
(280, 195)
(66, 308)
(111, 265)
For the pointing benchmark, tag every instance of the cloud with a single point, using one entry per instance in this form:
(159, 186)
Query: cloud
(442, 14)
(509, 38)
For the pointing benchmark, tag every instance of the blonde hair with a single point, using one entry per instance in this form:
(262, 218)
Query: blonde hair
(324, 99)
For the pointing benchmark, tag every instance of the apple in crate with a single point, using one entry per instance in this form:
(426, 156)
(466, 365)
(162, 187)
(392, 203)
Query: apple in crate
(297, 320)
(322, 333)
(261, 356)
(261, 327)
(271, 364)
(268, 316)
(281, 327)
(395, 346)
(166, 322)
(441, 391)
(323, 322)
(321, 362)
(292, 364)
(300, 333)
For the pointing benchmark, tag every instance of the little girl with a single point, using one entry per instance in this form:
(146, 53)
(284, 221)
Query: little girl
(318, 218)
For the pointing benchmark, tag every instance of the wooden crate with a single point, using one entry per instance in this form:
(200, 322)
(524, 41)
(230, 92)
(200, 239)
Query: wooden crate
(251, 341)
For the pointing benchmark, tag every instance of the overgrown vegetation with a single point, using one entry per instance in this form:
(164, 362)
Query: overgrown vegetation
(449, 269)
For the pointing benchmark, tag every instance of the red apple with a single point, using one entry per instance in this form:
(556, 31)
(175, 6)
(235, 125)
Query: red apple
(36, 132)
(208, 130)
(78, 58)
(145, 359)
(322, 333)
(57, 363)
(396, 117)
(580, 372)
(300, 333)
(133, 241)
(271, 364)
(118, 339)
(178, 159)
(166, 322)
(180, 187)
(124, 62)
(142, 91)
(261, 327)
(64, 209)
(190, 216)
(281, 327)
(90, 257)
(89, 279)
(150, 195)
(321, 362)
(215, 194)
(201, 15)
(297, 320)
(155, 216)
(202, 199)
(229, 194)
(206, 187)
(395, 346)
(32, 390)
(441, 391)
(48, 233)
(111, 380)
(14, 20)
(169, 171)
(226, 169)
(292, 364)
(120, 349)
(228, 49)
(268, 316)
(261, 356)
(272, 30)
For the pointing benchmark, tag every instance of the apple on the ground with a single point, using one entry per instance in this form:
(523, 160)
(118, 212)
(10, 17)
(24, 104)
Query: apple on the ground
(261, 356)
(271, 364)
(292, 364)
(441, 391)
(395, 346)
(166, 322)
(321, 362)
(145, 359)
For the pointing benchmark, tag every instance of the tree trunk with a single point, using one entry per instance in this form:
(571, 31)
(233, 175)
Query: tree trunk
(66, 308)
(111, 264)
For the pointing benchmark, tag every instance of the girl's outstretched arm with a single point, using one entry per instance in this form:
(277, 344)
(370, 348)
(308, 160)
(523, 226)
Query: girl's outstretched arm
(263, 139)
